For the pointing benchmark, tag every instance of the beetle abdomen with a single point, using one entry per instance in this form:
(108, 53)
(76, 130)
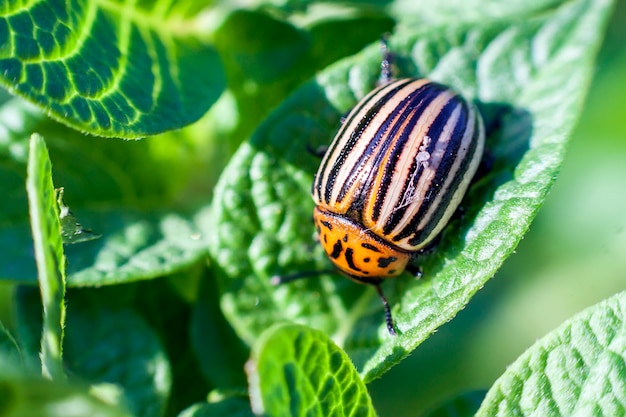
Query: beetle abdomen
(402, 161)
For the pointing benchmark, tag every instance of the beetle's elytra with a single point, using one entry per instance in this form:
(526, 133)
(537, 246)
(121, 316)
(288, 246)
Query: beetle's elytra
(393, 176)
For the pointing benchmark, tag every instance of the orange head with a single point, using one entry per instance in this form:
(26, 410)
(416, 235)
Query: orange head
(357, 252)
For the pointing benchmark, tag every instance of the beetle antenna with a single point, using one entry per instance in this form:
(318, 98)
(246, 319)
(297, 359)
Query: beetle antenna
(388, 318)
(385, 65)
(284, 279)
(320, 151)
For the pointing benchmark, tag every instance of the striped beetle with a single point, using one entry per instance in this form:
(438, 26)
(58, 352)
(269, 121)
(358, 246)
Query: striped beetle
(393, 176)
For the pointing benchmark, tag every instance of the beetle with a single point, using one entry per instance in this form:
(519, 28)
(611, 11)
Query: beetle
(393, 175)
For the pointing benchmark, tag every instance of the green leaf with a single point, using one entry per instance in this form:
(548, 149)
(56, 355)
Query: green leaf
(529, 74)
(294, 368)
(27, 396)
(267, 58)
(110, 69)
(260, 47)
(135, 245)
(29, 322)
(220, 352)
(46, 229)
(106, 344)
(576, 370)
(463, 405)
(466, 11)
(117, 346)
(168, 315)
(230, 407)
(9, 349)
(18, 119)
(122, 191)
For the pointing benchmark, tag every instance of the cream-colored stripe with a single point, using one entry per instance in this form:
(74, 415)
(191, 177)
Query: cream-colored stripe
(342, 137)
(414, 198)
(473, 123)
(362, 143)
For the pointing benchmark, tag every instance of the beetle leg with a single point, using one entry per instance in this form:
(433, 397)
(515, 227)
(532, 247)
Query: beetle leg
(415, 270)
(320, 151)
(431, 246)
(388, 318)
(486, 164)
(284, 279)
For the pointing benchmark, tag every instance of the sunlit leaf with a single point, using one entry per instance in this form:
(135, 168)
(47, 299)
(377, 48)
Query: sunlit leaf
(296, 368)
(111, 69)
(576, 370)
(46, 230)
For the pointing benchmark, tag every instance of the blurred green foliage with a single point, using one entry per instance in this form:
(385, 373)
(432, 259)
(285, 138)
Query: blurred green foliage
(572, 257)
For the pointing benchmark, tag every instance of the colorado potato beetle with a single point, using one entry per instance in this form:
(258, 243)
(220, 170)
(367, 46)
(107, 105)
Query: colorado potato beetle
(393, 176)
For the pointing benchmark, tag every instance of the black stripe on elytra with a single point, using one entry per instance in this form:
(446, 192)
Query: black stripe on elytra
(317, 183)
(326, 224)
(434, 188)
(411, 107)
(441, 174)
(337, 249)
(415, 111)
(368, 158)
(350, 260)
(458, 177)
(385, 262)
(331, 172)
(373, 143)
(370, 247)
(434, 133)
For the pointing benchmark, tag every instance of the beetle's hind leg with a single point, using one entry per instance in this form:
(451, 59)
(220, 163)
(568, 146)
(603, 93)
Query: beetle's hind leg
(284, 279)
(375, 282)
(391, 328)
(319, 152)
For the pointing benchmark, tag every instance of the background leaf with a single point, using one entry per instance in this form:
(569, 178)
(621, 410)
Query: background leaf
(578, 369)
(120, 349)
(26, 396)
(127, 192)
(529, 77)
(472, 11)
(266, 57)
(127, 189)
(296, 368)
(463, 405)
(110, 70)
(110, 344)
(231, 407)
(46, 230)
(9, 350)
(220, 352)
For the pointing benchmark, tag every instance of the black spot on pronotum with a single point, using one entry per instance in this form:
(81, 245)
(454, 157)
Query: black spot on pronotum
(370, 247)
(327, 225)
(391, 272)
(345, 238)
(385, 262)
(350, 259)
(366, 260)
(325, 237)
(337, 249)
